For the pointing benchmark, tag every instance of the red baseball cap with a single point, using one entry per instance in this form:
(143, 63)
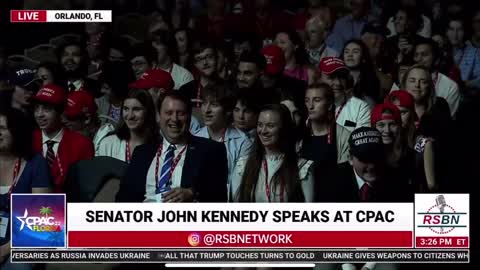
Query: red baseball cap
(80, 103)
(154, 78)
(378, 113)
(329, 65)
(51, 94)
(275, 59)
(404, 98)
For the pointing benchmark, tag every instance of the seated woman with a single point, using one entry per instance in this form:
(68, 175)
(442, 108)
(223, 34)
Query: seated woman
(273, 172)
(138, 127)
(20, 172)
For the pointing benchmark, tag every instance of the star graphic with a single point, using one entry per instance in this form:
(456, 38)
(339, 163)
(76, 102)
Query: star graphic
(22, 220)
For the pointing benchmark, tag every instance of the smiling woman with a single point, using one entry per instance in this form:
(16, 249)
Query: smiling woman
(272, 172)
(138, 127)
(20, 172)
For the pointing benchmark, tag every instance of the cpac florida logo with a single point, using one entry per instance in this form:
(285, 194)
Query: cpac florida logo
(38, 221)
(43, 223)
(441, 217)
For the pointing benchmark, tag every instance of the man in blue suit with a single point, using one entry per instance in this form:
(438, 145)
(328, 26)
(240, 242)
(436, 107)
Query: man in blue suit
(180, 167)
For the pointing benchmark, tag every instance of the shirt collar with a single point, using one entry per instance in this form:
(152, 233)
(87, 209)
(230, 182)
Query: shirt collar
(57, 138)
(167, 144)
(360, 181)
(78, 83)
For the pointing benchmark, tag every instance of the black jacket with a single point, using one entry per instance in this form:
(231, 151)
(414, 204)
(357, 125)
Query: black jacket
(344, 188)
(204, 170)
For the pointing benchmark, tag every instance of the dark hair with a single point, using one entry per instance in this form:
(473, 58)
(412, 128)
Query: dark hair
(433, 45)
(287, 172)
(368, 83)
(285, 95)
(200, 45)
(221, 94)
(118, 76)
(249, 100)
(254, 58)
(146, 50)
(20, 130)
(414, 18)
(330, 97)
(80, 44)
(121, 44)
(166, 38)
(185, 13)
(150, 123)
(301, 55)
(58, 108)
(176, 95)
(53, 68)
(83, 67)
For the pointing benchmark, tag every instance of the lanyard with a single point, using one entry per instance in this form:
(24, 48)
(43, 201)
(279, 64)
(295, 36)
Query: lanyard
(16, 171)
(267, 185)
(174, 164)
(329, 135)
(435, 80)
(199, 93)
(127, 153)
(340, 109)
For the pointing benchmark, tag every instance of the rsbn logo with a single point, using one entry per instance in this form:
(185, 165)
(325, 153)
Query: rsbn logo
(441, 218)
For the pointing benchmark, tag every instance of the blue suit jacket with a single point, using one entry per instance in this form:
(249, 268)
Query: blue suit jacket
(204, 170)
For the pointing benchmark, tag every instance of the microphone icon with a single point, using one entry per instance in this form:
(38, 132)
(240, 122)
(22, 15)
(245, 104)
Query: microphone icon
(441, 203)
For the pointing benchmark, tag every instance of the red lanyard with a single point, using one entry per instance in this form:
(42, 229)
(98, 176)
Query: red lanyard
(199, 93)
(127, 153)
(16, 171)
(174, 164)
(267, 185)
(340, 109)
(435, 79)
(329, 136)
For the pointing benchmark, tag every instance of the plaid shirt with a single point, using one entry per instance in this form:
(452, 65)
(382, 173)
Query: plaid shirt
(468, 61)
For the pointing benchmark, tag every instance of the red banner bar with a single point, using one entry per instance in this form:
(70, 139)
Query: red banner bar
(441, 242)
(28, 16)
(181, 239)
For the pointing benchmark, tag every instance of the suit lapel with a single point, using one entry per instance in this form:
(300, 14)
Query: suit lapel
(190, 167)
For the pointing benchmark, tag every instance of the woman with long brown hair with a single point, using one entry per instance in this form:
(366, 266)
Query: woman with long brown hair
(138, 127)
(433, 128)
(272, 172)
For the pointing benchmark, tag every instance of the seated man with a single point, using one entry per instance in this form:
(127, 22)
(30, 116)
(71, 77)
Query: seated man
(176, 170)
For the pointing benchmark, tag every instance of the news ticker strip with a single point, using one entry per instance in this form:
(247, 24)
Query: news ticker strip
(239, 256)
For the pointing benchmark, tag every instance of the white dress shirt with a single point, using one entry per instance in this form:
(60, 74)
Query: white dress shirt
(180, 75)
(78, 84)
(57, 139)
(112, 146)
(355, 111)
(151, 184)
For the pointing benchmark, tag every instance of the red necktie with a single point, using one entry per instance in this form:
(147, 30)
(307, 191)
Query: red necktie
(365, 192)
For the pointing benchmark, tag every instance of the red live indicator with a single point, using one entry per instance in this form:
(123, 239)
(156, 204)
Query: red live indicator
(27, 16)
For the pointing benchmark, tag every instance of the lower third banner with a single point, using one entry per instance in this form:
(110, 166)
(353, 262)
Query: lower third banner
(239, 256)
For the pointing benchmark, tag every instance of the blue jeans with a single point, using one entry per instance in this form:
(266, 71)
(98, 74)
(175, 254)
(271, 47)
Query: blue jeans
(7, 265)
